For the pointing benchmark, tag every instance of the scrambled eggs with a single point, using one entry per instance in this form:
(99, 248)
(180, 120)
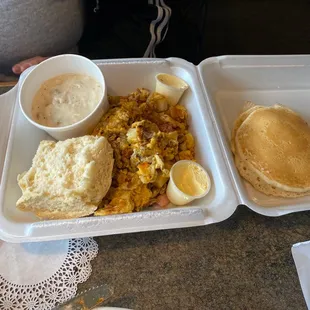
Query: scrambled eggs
(148, 136)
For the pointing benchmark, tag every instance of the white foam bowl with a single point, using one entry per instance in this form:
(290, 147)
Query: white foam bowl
(50, 68)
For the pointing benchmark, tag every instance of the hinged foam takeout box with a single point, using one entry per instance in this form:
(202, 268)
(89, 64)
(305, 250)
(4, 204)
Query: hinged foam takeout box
(219, 87)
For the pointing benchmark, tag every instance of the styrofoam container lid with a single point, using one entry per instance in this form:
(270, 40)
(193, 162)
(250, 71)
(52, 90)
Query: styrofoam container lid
(230, 81)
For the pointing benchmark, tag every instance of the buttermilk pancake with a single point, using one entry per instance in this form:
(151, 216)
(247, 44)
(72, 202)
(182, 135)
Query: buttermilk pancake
(68, 179)
(242, 117)
(259, 183)
(272, 150)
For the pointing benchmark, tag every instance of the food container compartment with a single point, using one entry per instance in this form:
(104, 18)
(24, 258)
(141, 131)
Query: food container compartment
(228, 82)
(122, 77)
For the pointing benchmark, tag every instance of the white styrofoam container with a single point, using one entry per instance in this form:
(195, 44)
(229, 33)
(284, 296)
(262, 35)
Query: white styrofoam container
(219, 87)
(122, 77)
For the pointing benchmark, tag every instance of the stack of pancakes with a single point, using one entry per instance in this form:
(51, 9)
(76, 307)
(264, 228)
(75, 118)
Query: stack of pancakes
(272, 150)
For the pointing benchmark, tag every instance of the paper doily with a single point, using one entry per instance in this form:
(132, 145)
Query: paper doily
(42, 275)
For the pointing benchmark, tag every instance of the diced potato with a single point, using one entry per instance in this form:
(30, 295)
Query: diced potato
(186, 155)
(190, 142)
(161, 180)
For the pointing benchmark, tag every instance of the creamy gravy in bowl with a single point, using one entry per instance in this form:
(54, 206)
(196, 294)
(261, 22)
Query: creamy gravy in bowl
(65, 100)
